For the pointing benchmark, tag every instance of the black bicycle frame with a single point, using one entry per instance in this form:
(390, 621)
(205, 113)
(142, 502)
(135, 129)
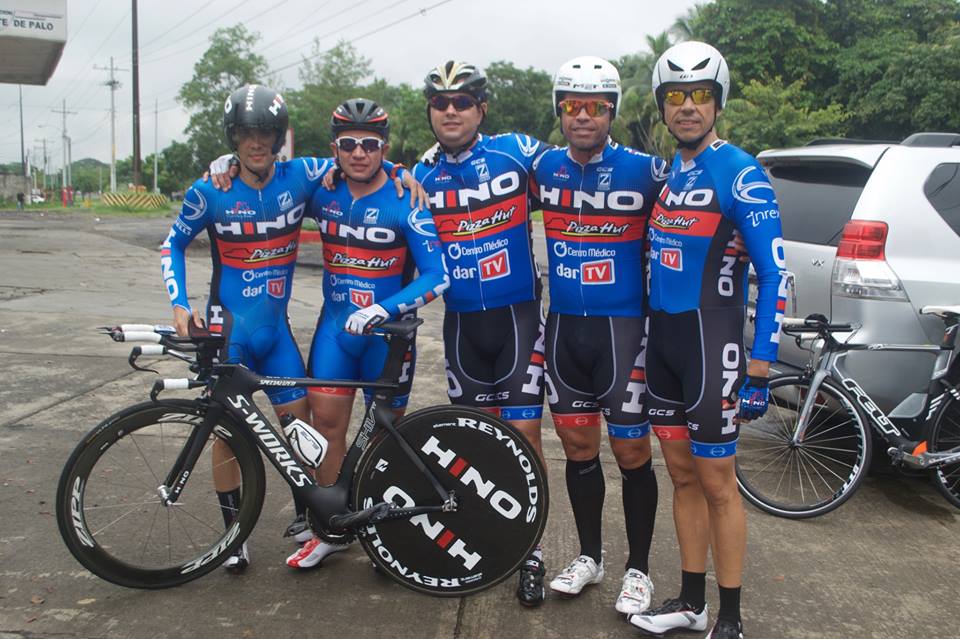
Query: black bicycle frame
(231, 393)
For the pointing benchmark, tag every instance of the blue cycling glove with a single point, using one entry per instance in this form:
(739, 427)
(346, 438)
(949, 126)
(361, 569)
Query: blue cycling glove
(754, 397)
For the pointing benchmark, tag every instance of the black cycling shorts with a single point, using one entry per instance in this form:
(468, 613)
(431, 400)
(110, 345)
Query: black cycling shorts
(693, 360)
(494, 359)
(596, 365)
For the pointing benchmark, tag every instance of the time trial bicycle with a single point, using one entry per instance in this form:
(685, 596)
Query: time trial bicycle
(812, 449)
(447, 500)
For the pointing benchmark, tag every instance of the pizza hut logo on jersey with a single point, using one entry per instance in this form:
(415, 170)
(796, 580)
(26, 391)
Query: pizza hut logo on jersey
(671, 258)
(561, 173)
(678, 222)
(363, 263)
(277, 287)
(598, 272)
(494, 266)
(241, 208)
(333, 209)
(607, 229)
(361, 299)
(264, 254)
(495, 219)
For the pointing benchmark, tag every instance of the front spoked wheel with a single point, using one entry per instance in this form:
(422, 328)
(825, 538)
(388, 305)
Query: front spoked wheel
(815, 475)
(110, 508)
(945, 435)
(502, 500)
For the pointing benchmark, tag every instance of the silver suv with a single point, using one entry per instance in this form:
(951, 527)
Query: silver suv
(872, 232)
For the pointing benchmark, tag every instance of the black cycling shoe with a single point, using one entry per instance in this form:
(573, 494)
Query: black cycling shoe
(530, 590)
(725, 629)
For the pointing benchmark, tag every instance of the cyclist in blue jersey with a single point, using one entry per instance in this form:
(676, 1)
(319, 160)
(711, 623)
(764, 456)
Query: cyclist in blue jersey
(254, 237)
(493, 330)
(695, 355)
(372, 244)
(596, 196)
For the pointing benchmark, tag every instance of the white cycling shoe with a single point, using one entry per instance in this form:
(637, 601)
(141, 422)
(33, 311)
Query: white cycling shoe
(673, 614)
(581, 572)
(239, 560)
(635, 593)
(313, 552)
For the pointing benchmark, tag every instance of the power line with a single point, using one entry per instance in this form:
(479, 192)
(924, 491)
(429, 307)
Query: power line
(195, 30)
(419, 12)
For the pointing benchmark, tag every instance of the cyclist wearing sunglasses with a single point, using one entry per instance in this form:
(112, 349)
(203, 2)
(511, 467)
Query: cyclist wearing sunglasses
(254, 233)
(372, 245)
(695, 353)
(493, 326)
(596, 197)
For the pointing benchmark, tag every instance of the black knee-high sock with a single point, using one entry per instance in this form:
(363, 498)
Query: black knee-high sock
(586, 488)
(298, 506)
(229, 505)
(639, 512)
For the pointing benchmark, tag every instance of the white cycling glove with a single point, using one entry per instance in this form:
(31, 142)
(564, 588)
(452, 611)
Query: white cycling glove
(360, 322)
(222, 164)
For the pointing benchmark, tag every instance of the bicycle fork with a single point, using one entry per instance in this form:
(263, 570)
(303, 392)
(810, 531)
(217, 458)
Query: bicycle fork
(176, 480)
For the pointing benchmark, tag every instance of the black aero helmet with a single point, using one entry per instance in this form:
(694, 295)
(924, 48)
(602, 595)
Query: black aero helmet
(362, 114)
(456, 77)
(254, 106)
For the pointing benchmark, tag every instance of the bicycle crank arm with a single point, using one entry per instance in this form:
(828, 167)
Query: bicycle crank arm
(386, 511)
(925, 460)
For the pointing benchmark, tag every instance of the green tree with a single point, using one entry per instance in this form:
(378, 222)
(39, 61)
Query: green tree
(520, 100)
(772, 115)
(228, 63)
(329, 78)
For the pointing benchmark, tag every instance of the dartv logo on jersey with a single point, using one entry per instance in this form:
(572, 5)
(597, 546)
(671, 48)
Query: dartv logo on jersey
(491, 267)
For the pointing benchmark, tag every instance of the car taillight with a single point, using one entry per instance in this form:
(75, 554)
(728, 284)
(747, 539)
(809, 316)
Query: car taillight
(861, 270)
(863, 240)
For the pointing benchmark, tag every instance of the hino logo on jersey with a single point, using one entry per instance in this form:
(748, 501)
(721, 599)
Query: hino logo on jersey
(608, 229)
(679, 222)
(282, 221)
(371, 263)
(503, 184)
(376, 234)
(498, 218)
(599, 201)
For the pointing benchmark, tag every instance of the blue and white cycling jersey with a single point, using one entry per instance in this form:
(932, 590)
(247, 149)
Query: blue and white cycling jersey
(481, 207)
(595, 218)
(693, 264)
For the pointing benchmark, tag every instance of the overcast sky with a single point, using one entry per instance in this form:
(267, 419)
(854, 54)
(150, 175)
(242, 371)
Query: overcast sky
(175, 33)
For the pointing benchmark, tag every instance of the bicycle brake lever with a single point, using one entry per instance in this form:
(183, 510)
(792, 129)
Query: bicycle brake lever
(135, 353)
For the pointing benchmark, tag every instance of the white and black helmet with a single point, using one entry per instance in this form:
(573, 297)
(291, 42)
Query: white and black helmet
(689, 62)
(587, 74)
(254, 106)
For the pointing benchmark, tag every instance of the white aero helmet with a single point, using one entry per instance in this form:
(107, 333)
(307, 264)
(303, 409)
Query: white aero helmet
(587, 74)
(688, 62)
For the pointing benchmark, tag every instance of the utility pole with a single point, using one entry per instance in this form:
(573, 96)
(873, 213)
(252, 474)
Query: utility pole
(114, 84)
(66, 142)
(23, 158)
(156, 127)
(135, 66)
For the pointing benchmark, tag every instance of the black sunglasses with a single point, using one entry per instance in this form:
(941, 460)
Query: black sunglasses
(441, 102)
(348, 144)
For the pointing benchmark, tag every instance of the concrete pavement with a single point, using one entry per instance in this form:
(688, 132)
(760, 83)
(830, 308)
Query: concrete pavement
(882, 566)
